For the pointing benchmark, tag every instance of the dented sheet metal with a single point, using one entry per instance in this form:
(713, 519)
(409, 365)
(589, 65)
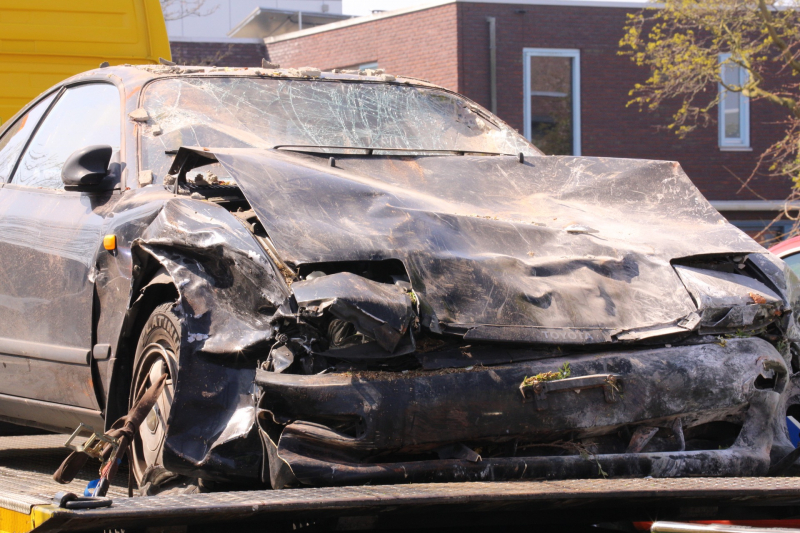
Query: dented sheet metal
(484, 239)
(410, 316)
(730, 300)
(228, 291)
(381, 311)
(228, 285)
(377, 281)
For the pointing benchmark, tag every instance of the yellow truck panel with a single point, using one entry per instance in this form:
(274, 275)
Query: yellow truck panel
(45, 41)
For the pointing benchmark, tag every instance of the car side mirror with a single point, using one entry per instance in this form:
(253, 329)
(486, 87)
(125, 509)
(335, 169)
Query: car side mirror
(87, 166)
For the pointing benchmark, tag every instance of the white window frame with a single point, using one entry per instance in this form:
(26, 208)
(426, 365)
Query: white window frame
(743, 141)
(573, 53)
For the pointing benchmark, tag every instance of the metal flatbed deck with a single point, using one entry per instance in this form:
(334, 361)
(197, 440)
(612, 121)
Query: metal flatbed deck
(26, 472)
(26, 490)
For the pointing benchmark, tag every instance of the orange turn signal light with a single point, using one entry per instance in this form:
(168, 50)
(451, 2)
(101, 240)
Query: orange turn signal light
(110, 242)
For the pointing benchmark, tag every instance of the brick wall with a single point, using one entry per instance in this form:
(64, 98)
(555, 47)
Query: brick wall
(609, 128)
(422, 44)
(218, 54)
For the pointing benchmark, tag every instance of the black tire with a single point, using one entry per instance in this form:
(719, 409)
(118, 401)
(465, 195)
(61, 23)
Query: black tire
(157, 352)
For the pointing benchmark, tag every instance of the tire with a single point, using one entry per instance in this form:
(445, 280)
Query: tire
(157, 352)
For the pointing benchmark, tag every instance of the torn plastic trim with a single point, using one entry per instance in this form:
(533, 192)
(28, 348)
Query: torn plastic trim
(729, 300)
(379, 310)
(415, 412)
(749, 456)
(187, 159)
(537, 335)
(712, 288)
(779, 277)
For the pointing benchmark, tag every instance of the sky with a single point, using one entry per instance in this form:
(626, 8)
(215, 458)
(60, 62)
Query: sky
(365, 7)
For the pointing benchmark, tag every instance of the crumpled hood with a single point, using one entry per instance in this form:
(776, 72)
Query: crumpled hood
(555, 249)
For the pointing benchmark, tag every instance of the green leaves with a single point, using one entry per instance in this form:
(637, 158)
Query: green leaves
(564, 372)
(680, 45)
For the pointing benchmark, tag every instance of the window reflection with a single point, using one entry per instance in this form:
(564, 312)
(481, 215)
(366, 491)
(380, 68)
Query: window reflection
(14, 140)
(84, 115)
(731, 102)
(238, 112)
(734, 107)
(794, 262)
(551, 104)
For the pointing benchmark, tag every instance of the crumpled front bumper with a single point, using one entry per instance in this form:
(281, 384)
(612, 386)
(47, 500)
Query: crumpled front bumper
(387, 427)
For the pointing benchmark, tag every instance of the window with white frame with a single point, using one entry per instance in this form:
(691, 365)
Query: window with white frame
(734, 107)
(552, 104)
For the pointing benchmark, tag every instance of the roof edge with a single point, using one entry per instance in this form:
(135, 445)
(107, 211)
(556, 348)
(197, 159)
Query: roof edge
(355, 21)
(245, 21)
(620, 4)
(754, 205)
(259, 10)
(229, 40)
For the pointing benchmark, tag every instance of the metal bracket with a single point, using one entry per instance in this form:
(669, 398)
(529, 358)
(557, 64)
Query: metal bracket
(610, 383)
(93, 447)
(68, 500)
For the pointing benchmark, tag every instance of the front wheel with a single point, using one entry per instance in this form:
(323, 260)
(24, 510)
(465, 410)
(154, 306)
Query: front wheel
(157, 353)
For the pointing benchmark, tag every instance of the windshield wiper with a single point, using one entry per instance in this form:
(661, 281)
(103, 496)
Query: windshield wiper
(369, 150)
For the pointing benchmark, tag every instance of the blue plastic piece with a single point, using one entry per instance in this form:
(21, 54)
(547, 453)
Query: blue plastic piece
(89, 490)
(794, 430)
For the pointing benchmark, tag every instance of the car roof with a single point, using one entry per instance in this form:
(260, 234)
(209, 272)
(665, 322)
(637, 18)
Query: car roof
(138, 75)
(134, 77)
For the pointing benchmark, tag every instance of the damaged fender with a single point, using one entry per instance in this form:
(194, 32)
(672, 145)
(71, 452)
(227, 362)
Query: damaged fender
(228, 291)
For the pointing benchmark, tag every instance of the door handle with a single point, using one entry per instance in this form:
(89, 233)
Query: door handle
(538, 390)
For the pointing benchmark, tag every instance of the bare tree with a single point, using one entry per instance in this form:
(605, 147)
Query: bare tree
(178, 9)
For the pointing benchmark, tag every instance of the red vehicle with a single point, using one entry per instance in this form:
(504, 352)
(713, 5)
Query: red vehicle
(789, 251)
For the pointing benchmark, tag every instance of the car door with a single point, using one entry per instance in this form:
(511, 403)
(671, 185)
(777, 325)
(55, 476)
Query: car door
(49, 240)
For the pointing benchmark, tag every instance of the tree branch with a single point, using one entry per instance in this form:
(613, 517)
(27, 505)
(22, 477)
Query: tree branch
(766, 16)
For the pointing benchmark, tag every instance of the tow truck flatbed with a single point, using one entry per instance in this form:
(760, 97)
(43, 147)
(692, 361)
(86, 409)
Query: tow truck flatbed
(27, 489)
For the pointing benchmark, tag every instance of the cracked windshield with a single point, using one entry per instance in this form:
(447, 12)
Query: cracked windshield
(244, 112)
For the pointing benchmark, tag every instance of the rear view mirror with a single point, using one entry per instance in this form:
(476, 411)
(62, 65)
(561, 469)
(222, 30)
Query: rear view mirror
(87, 166)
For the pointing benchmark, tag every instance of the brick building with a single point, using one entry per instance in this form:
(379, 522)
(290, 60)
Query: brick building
(560, 80)
(220, 52)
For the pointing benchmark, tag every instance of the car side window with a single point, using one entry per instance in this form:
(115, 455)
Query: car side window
(84, 115)
(14, 139)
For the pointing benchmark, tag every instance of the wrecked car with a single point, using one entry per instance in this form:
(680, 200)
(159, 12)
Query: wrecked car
(352, 277)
